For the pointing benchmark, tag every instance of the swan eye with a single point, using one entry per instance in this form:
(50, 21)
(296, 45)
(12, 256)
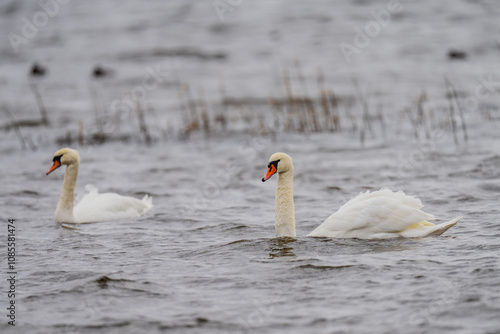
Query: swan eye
(273, 163)
(56, 163)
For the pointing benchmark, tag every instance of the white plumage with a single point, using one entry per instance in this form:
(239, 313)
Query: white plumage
(93, 207)
(379, 214)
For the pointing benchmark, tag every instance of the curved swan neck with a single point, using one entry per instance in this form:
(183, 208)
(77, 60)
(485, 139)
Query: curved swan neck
(285, 212)
(64, 211)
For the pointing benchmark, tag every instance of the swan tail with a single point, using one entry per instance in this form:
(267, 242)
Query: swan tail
(443, 227)
(425, 229)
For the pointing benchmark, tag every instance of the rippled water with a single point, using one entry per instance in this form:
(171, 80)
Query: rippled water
(217, 268)
(204, 260)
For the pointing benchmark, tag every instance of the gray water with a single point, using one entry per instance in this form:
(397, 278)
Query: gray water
(204, 260)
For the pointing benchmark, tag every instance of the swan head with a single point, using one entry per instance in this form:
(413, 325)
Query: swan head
(278, 163)
(65, 156)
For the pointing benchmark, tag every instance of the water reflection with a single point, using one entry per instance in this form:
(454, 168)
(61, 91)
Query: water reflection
(69, 226)
(282, 247)
(317, 247)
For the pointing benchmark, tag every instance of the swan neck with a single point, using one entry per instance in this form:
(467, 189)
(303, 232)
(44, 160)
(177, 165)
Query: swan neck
(285, 212)
(64, 211)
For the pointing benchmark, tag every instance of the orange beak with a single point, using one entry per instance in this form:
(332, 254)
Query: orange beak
(55, 165)
(272, 170)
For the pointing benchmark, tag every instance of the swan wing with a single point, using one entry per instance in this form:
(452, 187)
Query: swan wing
(96, 207)
(374, 215)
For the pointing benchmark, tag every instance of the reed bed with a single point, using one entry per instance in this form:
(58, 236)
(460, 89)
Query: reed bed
(298, 110)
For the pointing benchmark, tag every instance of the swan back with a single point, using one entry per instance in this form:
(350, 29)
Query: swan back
(374, 215)
(96, 207)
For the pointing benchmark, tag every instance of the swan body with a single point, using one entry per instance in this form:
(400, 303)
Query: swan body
(379, 214)
(93, 207)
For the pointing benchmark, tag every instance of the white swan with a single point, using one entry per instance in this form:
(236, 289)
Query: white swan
(93, 207)
(371, 215)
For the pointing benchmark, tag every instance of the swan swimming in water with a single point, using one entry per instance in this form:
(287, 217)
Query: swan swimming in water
(93, 207)
(379, 214)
